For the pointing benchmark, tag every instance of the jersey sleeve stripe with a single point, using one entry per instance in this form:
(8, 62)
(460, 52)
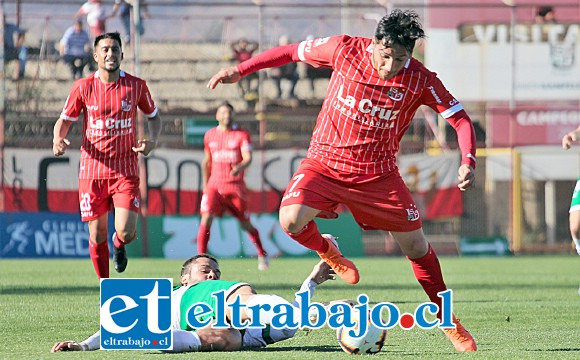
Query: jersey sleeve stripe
(452, 110)
(69, 118)
(153, 114)
(301, 47)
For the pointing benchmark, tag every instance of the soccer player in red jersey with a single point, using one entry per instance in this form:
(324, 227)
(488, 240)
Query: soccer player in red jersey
(228, 153)
(109, 175)
(375, 89)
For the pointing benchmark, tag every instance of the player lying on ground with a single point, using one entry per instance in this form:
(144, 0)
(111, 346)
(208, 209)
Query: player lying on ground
(196, 287)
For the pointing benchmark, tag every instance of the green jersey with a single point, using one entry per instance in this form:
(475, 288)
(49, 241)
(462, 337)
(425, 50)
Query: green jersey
(575, 204)
(183, 297)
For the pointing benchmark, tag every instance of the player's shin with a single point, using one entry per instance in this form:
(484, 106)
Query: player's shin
(428, 272)
(99, 254)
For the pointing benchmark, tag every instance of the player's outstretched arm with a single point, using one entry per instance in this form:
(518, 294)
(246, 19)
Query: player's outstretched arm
(91, 343)
(68, 346)
(227, 75)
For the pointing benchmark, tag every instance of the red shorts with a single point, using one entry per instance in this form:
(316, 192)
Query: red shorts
(377, 203)
(99, 196)
(98, 28)
(215, 203)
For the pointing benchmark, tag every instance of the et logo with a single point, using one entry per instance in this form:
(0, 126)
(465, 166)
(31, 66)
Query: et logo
(136, 314)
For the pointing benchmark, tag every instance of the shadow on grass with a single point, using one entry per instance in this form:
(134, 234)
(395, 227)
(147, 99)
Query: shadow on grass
(320, 349)
(554, 350)
(27, 290)
(414, 286)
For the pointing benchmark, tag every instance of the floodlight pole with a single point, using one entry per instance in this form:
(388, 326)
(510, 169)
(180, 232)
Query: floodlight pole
(261, 105)
(136, 50)
(2, 108)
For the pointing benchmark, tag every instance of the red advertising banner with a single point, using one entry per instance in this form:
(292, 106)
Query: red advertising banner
(36, 181)
(530, 124)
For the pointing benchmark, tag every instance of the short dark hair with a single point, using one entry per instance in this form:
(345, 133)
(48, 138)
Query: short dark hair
(185, 268)
(110, 35)
(545, 10)
(226, 103)
(400, 28)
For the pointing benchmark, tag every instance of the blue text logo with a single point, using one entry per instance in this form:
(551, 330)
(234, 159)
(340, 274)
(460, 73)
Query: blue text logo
(136, 314)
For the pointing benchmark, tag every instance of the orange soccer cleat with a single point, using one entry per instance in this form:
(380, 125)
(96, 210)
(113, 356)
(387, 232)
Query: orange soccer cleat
(342, 266)
(460, 337)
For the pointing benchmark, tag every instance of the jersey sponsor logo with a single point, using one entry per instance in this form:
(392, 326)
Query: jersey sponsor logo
(314, 43)
(110, 123)
(293, 194)
(360, 111)
(437, 98)
(135, 314)
(229, 156)
(85, 205)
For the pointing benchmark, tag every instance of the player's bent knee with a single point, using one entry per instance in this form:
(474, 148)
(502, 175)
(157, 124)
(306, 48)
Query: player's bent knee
(290, 222)
(127, 236)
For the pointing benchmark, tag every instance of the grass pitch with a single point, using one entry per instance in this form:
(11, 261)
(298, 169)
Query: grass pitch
(516, 308)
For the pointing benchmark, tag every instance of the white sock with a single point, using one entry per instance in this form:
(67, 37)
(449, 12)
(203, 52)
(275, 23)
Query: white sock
(577, 242)
(93, 342)
(185, 341)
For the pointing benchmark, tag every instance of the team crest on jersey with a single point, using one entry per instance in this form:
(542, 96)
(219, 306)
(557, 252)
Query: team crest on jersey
(125, 105)
(395, 94)
(412, 213)
(232, 143)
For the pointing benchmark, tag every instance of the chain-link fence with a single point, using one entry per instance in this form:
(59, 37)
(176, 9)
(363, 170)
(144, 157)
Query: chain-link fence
(491, 56)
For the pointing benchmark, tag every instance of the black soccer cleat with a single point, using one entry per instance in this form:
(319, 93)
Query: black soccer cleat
(120, 259)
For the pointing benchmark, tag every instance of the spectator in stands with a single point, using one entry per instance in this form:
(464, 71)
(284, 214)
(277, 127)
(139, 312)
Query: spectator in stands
(242, 51)
(545, 15)
(74, 49)
(124, 8)
(288, 71)
(96, 16)
(14, 48)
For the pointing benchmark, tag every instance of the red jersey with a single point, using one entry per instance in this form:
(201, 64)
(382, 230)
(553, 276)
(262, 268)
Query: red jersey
(363, 118)
(109, 125)
(226, 148)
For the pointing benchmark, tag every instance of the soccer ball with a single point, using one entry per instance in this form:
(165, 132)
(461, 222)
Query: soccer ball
(370, 343)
